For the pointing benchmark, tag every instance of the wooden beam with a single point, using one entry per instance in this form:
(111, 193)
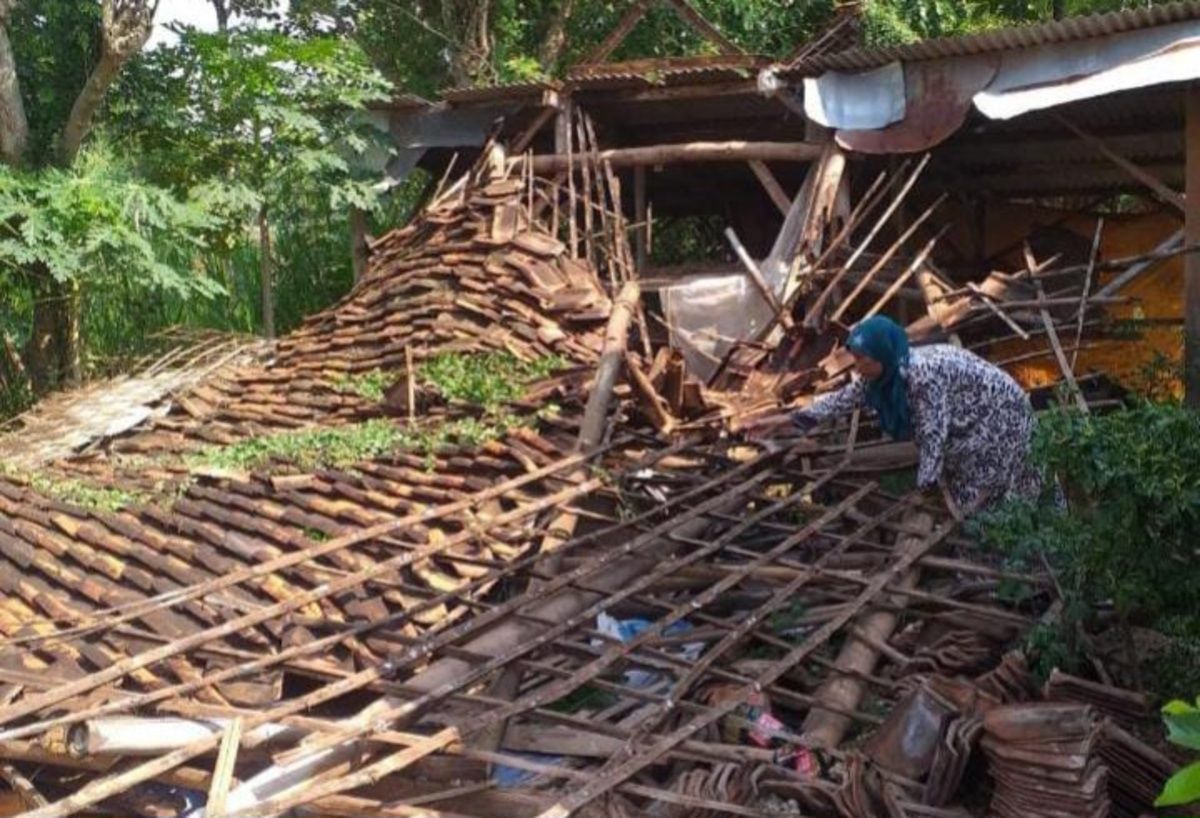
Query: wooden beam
(826, 728)
(771, 185)
(747, 88)
(1148, 179)
(218, 790)
(1191, 301)
(641, 220)
(1059, 355)
(616, 337)
(26, 792)
(734, 151)
(620, 31)
(703, 27)
(548, 111)
(1165, 250)
(756, 277)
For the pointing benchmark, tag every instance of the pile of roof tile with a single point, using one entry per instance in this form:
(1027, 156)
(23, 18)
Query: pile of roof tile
(1044, 760)
(473, 273)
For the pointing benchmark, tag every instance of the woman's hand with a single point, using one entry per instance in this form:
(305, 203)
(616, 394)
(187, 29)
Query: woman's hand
(763, 428)
(937, 492)
(955, 511)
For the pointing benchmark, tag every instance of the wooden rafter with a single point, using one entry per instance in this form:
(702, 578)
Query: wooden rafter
(1145, 177)
(687, 12)
(682, 8)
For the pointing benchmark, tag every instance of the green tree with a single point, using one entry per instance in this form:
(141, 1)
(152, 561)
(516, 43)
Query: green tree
(257, 119)
(65, 222)
(428, 45)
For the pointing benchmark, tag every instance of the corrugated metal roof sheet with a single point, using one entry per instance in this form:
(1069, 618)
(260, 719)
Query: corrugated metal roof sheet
(667, 71)
(721, 67)
(486, 93)
(1002, 39)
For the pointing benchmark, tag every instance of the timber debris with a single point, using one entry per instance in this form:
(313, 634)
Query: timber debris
(401, 601)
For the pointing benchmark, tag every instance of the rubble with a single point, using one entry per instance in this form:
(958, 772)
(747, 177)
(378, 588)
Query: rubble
(619, 607)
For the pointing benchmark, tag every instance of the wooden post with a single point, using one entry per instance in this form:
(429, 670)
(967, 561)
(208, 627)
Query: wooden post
(591, 430)
(1191, 299)
(641, 234)
(266, 284)
(358, 242)
(826, 728)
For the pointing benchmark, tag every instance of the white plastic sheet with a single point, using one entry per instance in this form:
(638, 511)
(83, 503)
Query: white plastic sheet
(708, 315)
(872, 99)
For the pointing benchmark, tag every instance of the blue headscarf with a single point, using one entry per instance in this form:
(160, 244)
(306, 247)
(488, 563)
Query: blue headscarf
(885, 341)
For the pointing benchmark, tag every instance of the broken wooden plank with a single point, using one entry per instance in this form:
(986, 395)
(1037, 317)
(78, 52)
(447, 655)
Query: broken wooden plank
(222, 778)
(770, 185)
(1063, 364)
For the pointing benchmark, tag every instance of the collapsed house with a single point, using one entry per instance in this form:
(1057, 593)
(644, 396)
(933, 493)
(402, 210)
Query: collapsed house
(311, 576)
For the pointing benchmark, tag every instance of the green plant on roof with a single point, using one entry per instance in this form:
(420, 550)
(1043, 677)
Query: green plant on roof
(368, 385)
(85, 495)
(343, 446)
(485, 379)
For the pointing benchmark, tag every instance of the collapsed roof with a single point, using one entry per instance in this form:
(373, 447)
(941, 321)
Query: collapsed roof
(315, 576)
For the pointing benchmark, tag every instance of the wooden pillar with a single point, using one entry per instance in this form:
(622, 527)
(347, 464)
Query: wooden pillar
(1191, 299)
(358, 242)
(641, 235)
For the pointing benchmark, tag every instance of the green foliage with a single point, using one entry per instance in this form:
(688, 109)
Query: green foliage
(55, 47)
(256, 124)
(368, 385)
(343, 446)
(890, 22)
(96, 223)
(86, 495)
(787, 619)
(118, 239)
(1129, 539)
(485, 379)
(1183, 728)
(253, 111)
(691, 238)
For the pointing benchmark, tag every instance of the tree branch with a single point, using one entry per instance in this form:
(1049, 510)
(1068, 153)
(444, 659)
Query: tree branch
(124, 28)
(556, 36)
(222, 15)
(14, 127)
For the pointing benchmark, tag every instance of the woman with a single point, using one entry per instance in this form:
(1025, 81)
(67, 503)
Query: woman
(971, 422)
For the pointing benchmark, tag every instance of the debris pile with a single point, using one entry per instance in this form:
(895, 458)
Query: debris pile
(613, 608)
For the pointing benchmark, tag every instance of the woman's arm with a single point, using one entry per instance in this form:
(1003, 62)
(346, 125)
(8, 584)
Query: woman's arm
(842, 402)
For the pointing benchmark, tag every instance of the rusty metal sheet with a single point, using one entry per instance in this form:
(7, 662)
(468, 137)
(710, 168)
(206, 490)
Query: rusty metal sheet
(939, 98)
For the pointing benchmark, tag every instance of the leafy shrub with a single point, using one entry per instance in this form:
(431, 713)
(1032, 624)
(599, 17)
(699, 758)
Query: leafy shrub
(1183, 728)
(1129, 540)
(486, 379)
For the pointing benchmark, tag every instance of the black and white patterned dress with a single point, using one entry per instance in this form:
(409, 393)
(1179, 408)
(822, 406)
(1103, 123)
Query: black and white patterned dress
(971, 421)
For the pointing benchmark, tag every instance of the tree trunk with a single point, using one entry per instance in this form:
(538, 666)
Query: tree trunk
(555, 41)
(85, 107)
(52, 352)
(469, 23)
(268, 296)
(14, 127)
(222, 11)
